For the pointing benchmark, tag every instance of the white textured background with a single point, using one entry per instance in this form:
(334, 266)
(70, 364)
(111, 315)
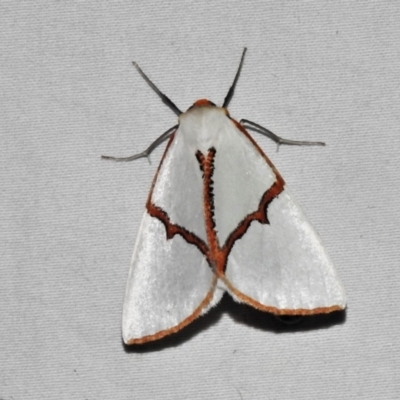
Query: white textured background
(315, 70)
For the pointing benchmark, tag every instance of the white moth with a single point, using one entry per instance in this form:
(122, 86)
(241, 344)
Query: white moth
(218, 218)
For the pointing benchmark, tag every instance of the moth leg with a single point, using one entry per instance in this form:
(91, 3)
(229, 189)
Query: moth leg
(146, 152)
(277, 139)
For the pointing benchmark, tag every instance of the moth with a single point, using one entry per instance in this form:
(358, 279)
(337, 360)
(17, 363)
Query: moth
(219, 218)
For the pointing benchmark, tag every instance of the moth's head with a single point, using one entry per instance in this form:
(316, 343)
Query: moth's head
(202, 103)
(203, 111)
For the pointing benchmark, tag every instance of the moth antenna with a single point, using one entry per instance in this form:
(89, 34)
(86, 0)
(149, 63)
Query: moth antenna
(165, 99)
(231, 91)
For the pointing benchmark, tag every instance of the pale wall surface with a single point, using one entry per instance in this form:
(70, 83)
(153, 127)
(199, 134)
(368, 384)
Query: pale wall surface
(315, 70)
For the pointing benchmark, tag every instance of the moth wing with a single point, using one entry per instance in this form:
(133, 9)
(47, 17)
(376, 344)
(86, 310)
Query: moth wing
(282, 267)
(170, 284)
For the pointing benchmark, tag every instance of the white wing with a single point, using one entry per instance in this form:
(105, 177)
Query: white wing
(170, 281)
(282, 267)
(170, 284)
(274, 258)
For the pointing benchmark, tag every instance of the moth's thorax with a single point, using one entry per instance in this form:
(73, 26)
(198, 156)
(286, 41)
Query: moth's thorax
(203, 125)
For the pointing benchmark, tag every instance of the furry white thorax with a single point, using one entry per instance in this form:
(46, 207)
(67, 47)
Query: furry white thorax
(203, 127)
